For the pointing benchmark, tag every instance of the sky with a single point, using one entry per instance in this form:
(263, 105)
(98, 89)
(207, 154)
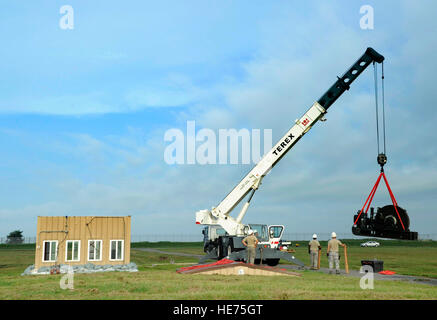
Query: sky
(84, 111)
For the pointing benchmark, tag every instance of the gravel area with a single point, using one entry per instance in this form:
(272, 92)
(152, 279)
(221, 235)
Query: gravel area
(83, 268)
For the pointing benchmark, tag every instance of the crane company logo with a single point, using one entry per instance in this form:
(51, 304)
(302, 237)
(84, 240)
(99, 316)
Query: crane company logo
(283, 144)
(204, 147)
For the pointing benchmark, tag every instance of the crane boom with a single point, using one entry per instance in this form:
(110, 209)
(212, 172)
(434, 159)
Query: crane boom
(220, 215)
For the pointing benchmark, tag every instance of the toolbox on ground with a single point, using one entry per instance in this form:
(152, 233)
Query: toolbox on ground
(377, 265)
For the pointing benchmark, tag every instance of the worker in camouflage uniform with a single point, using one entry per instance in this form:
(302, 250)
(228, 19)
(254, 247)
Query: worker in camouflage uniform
(313, 250)
(250, 242)
(333, 253)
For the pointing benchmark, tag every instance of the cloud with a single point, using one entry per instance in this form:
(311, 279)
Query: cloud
(173, 91)
(324, 179)
(69, 105)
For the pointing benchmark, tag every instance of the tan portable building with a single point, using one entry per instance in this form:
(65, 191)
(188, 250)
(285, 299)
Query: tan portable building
(80, 240)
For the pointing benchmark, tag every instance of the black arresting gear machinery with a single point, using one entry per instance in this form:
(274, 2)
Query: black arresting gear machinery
(390, 221)
(384, 224)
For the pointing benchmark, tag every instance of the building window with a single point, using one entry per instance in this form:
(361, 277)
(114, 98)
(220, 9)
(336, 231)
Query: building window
(117, 248)
(50, 249)
(72, 250)
(94, 250)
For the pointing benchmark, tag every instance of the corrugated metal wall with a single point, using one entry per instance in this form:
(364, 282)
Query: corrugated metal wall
(62, 229)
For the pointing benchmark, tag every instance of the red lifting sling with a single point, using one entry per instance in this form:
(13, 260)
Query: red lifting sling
(372, 193)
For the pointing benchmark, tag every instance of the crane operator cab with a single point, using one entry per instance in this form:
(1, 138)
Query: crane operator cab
(215, 238)
(270, 235)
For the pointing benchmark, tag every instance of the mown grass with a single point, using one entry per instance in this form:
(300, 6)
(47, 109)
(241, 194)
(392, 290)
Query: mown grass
(416, 258)
(403, 257)
(157, 279)
(18, 246)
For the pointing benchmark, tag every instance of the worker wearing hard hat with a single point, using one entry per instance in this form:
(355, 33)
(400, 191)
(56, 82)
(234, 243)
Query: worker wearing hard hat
(313, 250)
(333, 253)
(250, 242)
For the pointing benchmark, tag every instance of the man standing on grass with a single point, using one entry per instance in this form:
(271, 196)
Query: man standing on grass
(313, 250)
(250, 242)
(333, 254)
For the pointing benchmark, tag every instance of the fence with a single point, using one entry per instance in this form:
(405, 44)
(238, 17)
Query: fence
(292, 236)
(168, 237)
(327, 236)
(177, 237)
(320, 236)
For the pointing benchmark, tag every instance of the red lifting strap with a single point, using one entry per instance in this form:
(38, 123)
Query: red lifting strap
(372, 194)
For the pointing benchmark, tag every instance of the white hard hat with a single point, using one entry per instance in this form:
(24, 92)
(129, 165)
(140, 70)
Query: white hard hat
(314, 236)
(333, 235)
(250, 232)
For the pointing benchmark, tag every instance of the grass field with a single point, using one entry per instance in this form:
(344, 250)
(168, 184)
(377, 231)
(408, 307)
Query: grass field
(157, 277)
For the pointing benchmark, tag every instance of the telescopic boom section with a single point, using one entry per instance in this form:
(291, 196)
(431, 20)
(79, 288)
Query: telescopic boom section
(220, 214)
(342, 84)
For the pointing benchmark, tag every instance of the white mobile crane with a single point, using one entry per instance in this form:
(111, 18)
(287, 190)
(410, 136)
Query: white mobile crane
(223, 234)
